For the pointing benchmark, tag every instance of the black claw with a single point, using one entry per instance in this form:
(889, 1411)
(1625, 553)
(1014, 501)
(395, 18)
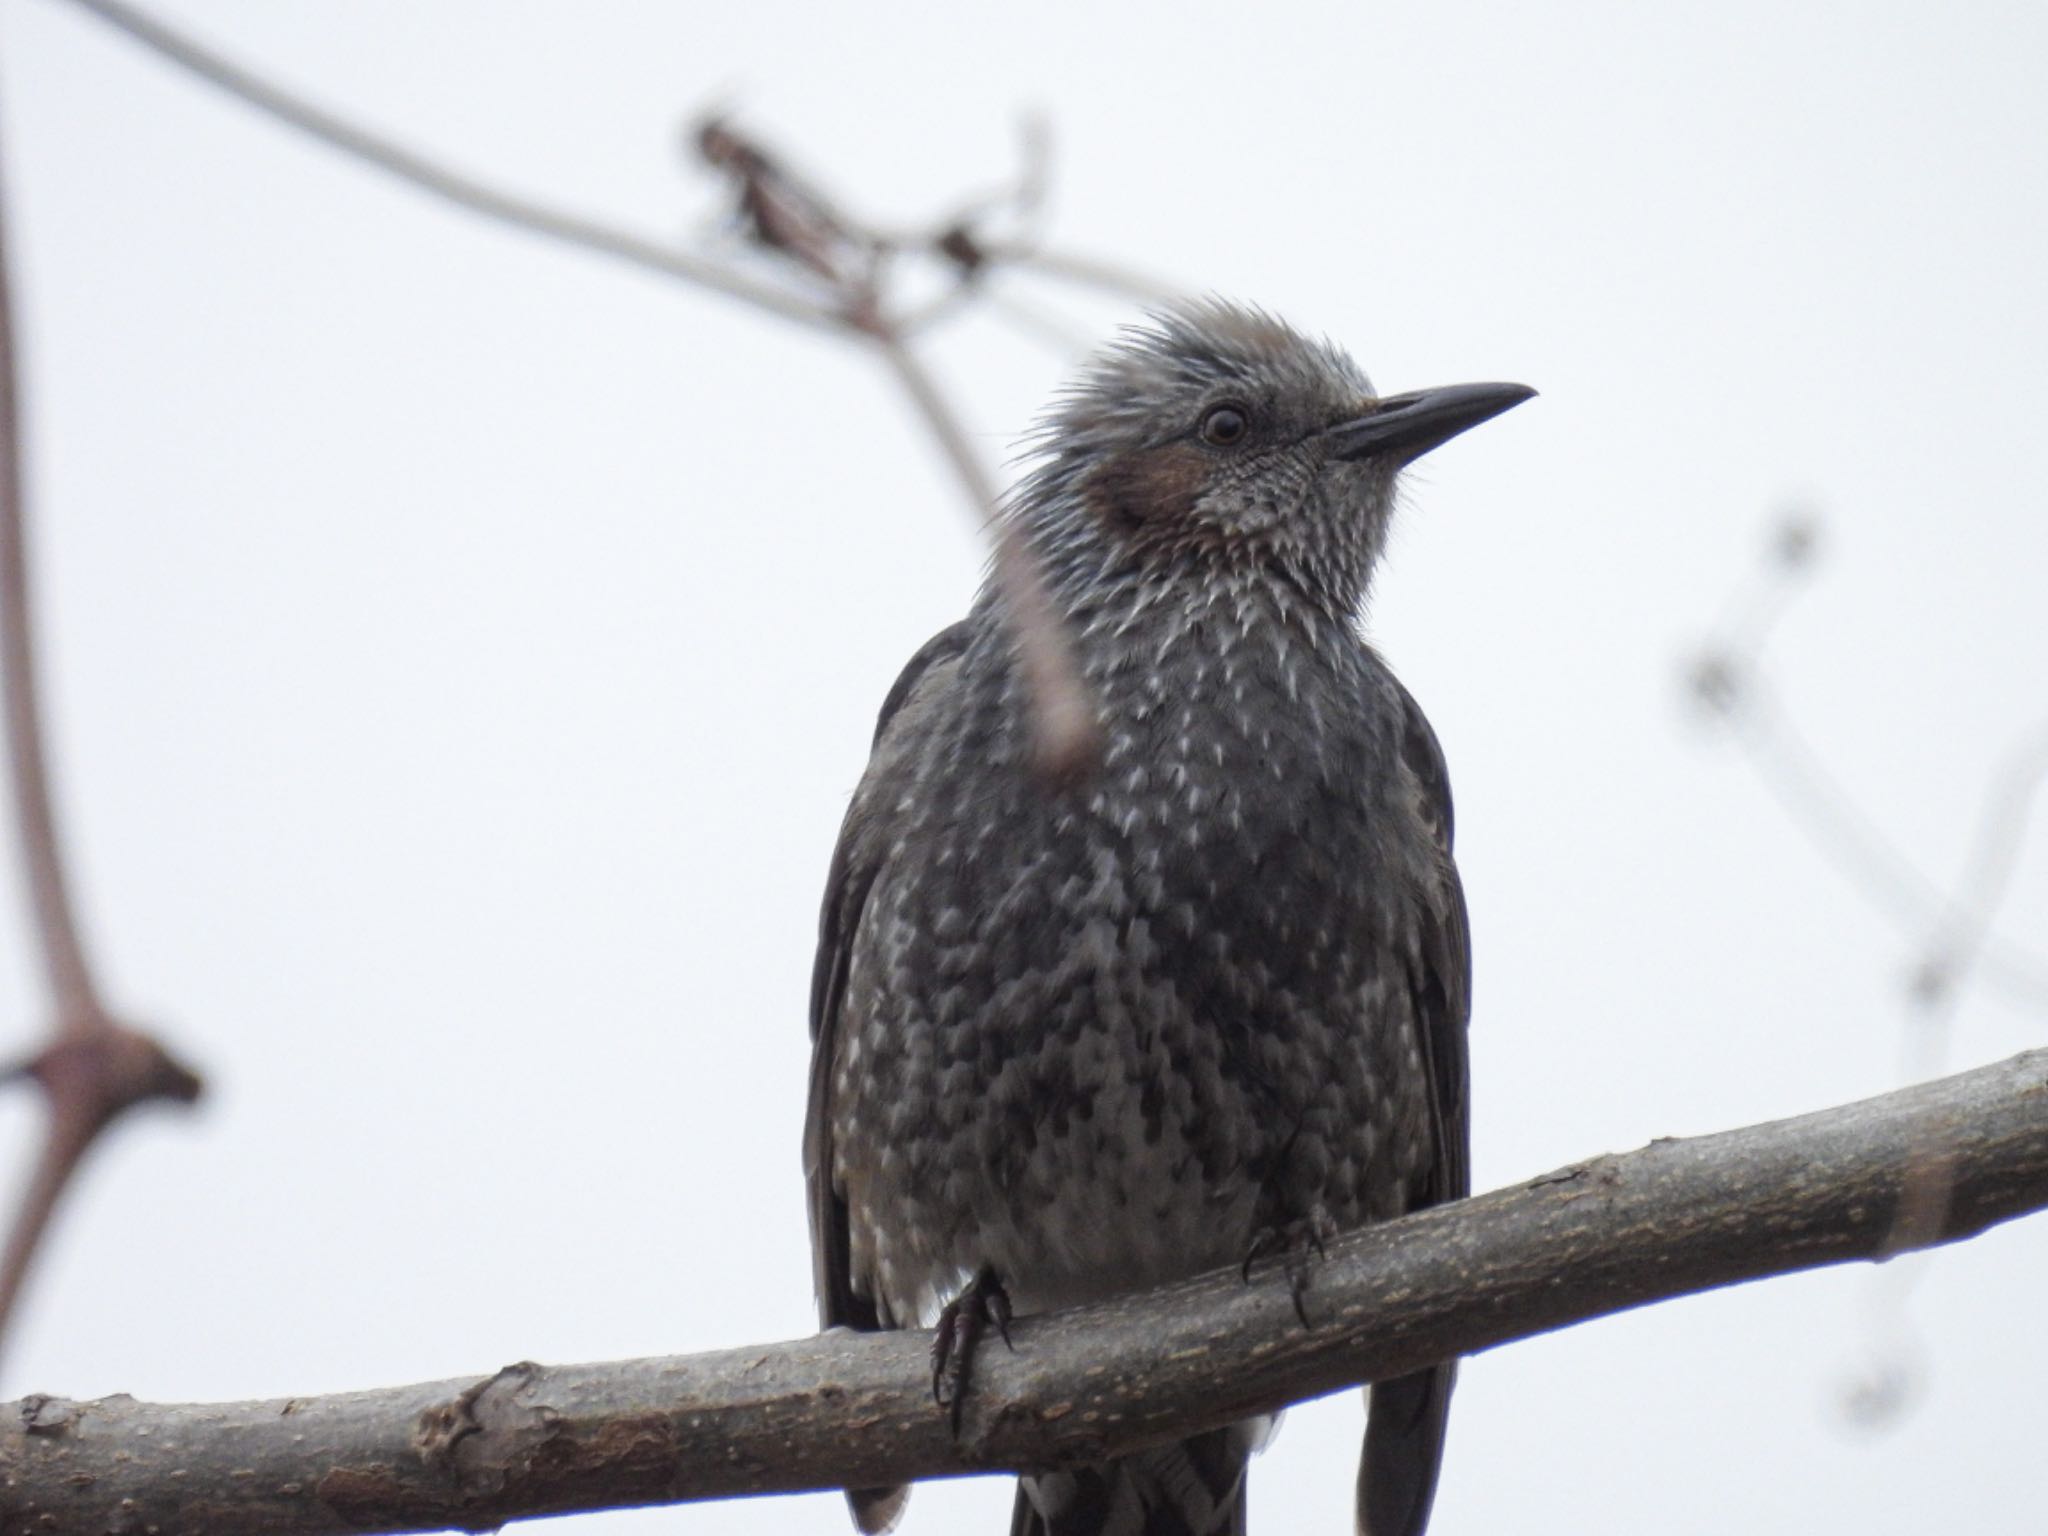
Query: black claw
(1263, 1242)
(942, 1352)
(959, 1331)
(997, 1301)
(1297, 1287)
(1296, 1239)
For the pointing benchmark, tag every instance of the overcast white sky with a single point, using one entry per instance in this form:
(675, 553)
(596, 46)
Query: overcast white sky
(460, 652)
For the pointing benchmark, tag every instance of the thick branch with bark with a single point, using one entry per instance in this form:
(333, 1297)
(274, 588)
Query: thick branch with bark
(1675, 1218)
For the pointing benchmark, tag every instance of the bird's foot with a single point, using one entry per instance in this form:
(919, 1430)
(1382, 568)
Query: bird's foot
(1295, 1241)
(965, 1319)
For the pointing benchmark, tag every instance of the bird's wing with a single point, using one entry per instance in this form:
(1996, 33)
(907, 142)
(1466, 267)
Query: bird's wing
(1443, 981)
(1404, 1437)
(855, 862)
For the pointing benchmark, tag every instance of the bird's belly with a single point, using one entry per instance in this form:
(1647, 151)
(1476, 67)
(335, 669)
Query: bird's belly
(1128, 1217)
(1076, 1127)
(1142, 1161)
(1127, 1105)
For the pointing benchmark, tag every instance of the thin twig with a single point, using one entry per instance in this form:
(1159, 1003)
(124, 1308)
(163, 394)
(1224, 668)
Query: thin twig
(64, 963)
(1885, 1387)
(1854, 843)
(1067, 740)
(452, 186)
(1061, 336)
(786, 217)
(89, 1080)
(974, 258)
(1022, 199)
(1729, 678)
(1954, 932)
(1959, 939)
(1085, 272)
(791, 220)
(92, 1069)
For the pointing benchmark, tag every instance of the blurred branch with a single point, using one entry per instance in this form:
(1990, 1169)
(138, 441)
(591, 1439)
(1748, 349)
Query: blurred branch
(92, 1069)
(1895, 1371)
(1672, 1219)
(1067, 741)
(1961, 936)
(439, 180)
(1952, 933)
(845, 263)
(788, 216)
(65, 969)
(1082, 272)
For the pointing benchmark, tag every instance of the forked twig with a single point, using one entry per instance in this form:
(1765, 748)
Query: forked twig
(1953, 933)
(95, 1067)
(790, 219)
(92, 1068)
(1068, 738)
(442, 181)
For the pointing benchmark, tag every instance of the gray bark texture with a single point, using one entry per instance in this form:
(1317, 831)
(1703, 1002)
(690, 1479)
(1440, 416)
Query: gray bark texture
(1930, 1164)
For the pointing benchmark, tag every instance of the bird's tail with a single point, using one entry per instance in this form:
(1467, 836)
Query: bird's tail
(1404, 1446)
(1193, 1488)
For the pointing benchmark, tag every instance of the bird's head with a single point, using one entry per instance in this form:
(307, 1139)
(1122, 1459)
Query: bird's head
(1218, 437)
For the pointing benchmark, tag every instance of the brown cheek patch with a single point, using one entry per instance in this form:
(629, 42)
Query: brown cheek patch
(1151, 491)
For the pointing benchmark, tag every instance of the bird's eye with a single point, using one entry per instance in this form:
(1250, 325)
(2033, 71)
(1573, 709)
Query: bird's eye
(1224, 426)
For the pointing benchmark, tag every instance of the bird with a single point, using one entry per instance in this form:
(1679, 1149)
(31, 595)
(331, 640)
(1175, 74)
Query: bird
(1077, 1035)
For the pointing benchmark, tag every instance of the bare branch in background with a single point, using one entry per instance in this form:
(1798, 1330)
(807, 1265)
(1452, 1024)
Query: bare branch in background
(93, 1069)
(1064, 337)
(65, 970)
(1082, 272)
(844, 1408)
(961, 232)
(844, 264)
(1960, 937)
(784, 214)
(788, 218)
(427, 175)
(1068, 739)
(1952, 933)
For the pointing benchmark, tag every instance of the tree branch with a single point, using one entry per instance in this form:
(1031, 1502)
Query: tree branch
(1953, 931)
(65, 969)
(1672, 1219)
(441, 181)
(1067, 739)
(93, 1068)
(787, 218)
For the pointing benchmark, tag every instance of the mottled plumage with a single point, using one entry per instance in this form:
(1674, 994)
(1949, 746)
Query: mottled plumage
(1095, 1035)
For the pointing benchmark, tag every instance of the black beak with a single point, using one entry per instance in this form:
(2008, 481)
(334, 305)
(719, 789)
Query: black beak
(1405, 427)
